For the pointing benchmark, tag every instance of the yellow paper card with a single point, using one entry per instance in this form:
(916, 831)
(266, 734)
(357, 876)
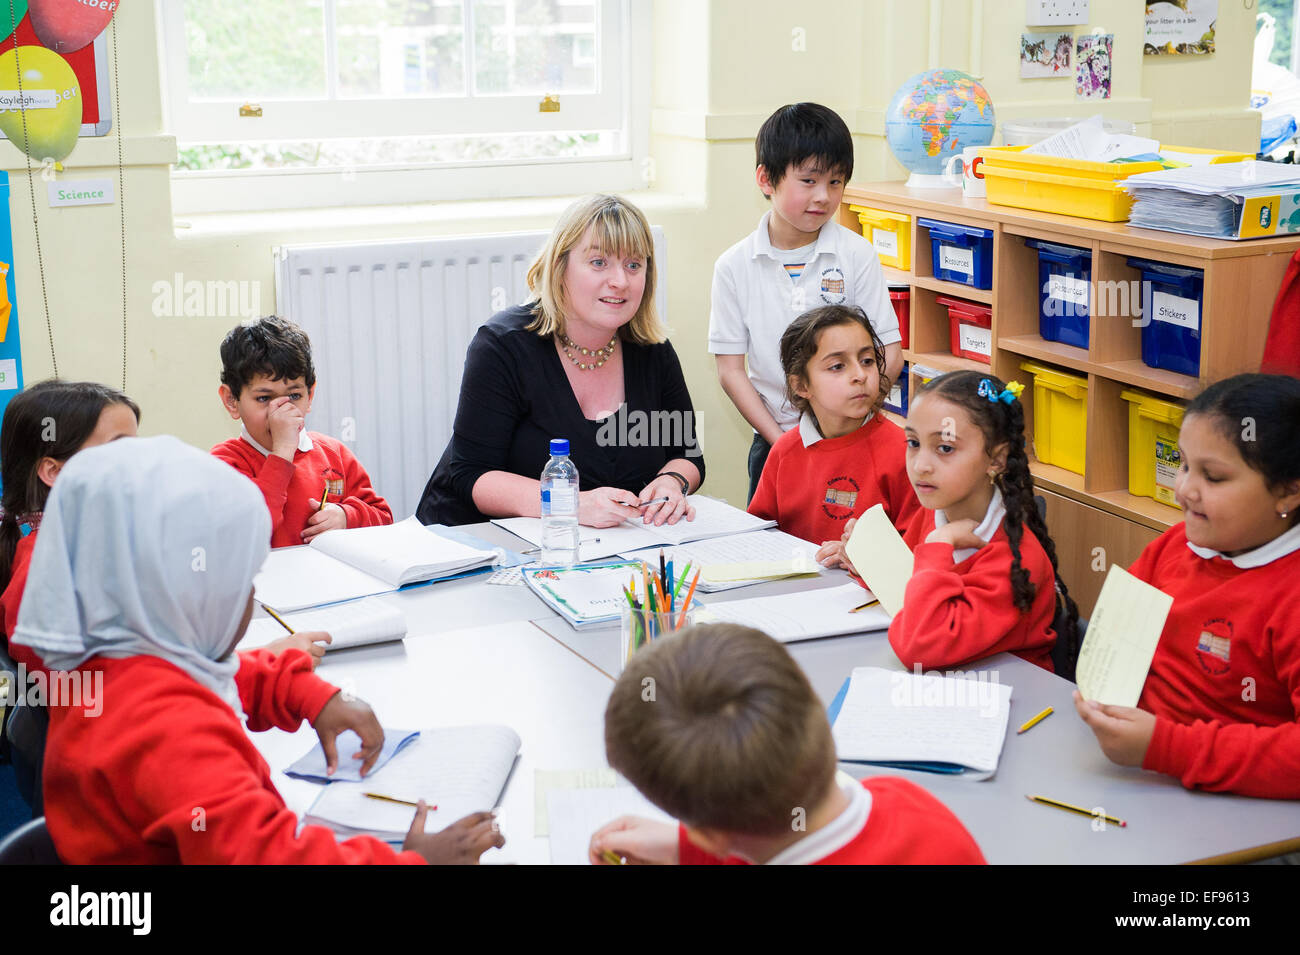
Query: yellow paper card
(881, 558)
(756, 570)
(1122, 635)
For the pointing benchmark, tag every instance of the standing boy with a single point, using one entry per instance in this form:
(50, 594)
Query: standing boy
(312, 483)
(798, 258)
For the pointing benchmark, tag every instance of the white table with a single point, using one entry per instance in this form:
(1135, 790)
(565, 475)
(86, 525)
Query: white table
(486, 653)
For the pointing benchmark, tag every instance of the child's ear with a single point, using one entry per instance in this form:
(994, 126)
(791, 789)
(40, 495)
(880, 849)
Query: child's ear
(999, 457)
(764, 181)
(47, 469)
(228, 399)
(1288, 500)
(311, 396)
(799, 386)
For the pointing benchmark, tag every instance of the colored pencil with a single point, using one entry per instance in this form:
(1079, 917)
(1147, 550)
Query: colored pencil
(1069, 808)
(404, 802)
(681, 580)
(1029, 724)
(686, 604)
(869, 603)
(324, 494)
(613, 858)
(278, 619)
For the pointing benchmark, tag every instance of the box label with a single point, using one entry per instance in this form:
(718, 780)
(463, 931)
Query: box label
(957, 260)
(1169, 462)
(1068, 288)
(80, 192)
(9, 374)
(885, 242)
(973, 338)
(1176, 310)
(895, 398)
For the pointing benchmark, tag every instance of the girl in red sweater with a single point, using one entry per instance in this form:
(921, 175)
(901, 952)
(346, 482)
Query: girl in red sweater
(985, 578)
(1221, 706)
(141, 587)
(844, 457)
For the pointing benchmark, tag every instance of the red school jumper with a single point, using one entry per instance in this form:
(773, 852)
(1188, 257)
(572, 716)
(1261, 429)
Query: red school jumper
(906, 826)
(1224, 684)
(291, 489)
(812, 485)
(955, 614)
(124, 787)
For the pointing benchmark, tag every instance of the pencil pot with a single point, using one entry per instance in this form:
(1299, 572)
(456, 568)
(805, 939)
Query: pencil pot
(643, 626)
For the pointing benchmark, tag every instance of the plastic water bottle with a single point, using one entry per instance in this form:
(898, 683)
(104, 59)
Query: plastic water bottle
(559, 507)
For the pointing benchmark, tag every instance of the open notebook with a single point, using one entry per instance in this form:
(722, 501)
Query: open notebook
(351, 624)
(713, 518)
(460, 769)
(928, 722)
(574, 815)
(803, 615)
(361, 561)
(738, 560)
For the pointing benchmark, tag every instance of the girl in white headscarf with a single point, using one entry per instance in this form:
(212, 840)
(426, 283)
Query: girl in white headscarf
(141, 585)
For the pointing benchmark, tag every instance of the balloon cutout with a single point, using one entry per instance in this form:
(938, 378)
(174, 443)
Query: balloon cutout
(53, 102)
(7, 21)
(67, 25)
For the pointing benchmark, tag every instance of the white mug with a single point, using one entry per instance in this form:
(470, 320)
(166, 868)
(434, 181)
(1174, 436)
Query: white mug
(972, 172)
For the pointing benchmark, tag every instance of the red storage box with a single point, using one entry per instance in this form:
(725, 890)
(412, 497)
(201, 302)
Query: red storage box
(901, 298)
(971, 328)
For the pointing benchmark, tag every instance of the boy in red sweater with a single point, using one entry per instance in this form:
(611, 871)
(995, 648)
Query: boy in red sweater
(147, 758)
(1221, 706)
(312, 483)
(719, 727)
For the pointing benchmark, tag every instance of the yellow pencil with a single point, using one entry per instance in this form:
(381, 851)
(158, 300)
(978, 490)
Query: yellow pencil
(324, 494)
(869, 603)
(1030, 724)
(404, 802)
(613, 858)
(1069, 808)
(278, 619)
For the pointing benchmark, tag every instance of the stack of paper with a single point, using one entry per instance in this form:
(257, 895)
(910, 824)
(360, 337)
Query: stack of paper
(1089, 141)
(803, 615)
(896, 718)
(1209, 200)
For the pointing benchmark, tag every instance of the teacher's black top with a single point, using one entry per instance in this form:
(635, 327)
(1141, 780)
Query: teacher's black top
(515, 397)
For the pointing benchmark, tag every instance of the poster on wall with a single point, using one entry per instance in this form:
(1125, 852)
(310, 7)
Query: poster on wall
(11, 363)
(1092, 66)
(1045, 54)
(1180, 27)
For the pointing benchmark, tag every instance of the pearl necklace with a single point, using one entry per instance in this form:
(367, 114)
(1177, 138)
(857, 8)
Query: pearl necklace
(604, 353)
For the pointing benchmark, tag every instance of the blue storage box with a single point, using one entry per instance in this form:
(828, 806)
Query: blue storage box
(897, 399)
(961, 253)
(1171, 316)
(1063, 306)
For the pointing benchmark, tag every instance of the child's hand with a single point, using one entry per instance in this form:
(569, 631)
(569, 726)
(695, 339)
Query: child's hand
(848, 530)
(1124, 732)
(331, 517)
(310, 642)
(286, 423)
(339, 715)
(607, 507)
(957, 533)
(638, 840)
(461, 843)
(833, 554)
(669, 511)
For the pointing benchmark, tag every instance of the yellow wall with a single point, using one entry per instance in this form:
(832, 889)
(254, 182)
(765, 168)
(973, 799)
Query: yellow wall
(719, 68)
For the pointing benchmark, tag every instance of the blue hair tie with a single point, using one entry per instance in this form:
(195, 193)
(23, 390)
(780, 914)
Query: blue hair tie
(1007, 395)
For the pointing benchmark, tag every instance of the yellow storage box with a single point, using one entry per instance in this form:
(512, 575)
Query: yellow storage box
(1153, 456)
(890, 233)
(1073, 187)
(1060, 416)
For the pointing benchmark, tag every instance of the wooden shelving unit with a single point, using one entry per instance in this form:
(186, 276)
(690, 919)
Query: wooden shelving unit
(1095, 509)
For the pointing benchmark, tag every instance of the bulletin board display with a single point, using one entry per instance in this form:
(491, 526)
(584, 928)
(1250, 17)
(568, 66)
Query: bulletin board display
(90, 64)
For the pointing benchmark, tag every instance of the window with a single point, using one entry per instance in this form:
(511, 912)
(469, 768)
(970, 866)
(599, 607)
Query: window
(322, 102)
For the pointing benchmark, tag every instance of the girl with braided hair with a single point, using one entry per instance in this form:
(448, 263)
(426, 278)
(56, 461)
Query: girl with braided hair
(985, 574)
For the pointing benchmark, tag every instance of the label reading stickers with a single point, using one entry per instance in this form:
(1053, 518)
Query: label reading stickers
(1176, 310)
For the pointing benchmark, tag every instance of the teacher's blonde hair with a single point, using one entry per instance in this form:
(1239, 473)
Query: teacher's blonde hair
(617, 228)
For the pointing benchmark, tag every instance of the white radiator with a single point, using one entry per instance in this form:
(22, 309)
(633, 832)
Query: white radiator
(389, 325)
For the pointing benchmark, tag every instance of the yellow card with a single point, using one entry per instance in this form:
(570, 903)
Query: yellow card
(881, 558)
(757, 570)
(1122, 635)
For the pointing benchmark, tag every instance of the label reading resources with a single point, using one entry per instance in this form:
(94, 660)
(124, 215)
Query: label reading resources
(80, 192)
(1068, 288)
(957, 260)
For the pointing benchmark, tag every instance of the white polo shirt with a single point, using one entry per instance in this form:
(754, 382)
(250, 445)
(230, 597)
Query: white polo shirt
(754, 300)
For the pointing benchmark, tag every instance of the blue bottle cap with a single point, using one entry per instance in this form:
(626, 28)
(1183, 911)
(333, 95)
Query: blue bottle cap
(559, 446)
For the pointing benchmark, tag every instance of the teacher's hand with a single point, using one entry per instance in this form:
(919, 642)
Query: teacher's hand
(607, 507)
(669, 511)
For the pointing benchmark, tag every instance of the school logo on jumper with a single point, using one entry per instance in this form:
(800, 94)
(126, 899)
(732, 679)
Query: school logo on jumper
(1214, 646)
(334, 482)
(833, 286)
(840, 497)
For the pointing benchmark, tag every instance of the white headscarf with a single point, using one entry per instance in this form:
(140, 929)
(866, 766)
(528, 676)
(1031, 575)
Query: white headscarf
(147, 547)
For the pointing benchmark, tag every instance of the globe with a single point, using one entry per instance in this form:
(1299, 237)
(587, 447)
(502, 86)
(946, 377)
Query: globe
(934, 116)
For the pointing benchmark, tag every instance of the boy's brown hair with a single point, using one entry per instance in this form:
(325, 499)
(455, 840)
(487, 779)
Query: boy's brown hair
(718, 726)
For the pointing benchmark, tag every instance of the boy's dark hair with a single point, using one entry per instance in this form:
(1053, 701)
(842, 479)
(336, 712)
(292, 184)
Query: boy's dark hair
(1265, 407)
(799, 345)
(803, 131)
(270, 346)
(718, 726)
(50, 419)
(1004, 423)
